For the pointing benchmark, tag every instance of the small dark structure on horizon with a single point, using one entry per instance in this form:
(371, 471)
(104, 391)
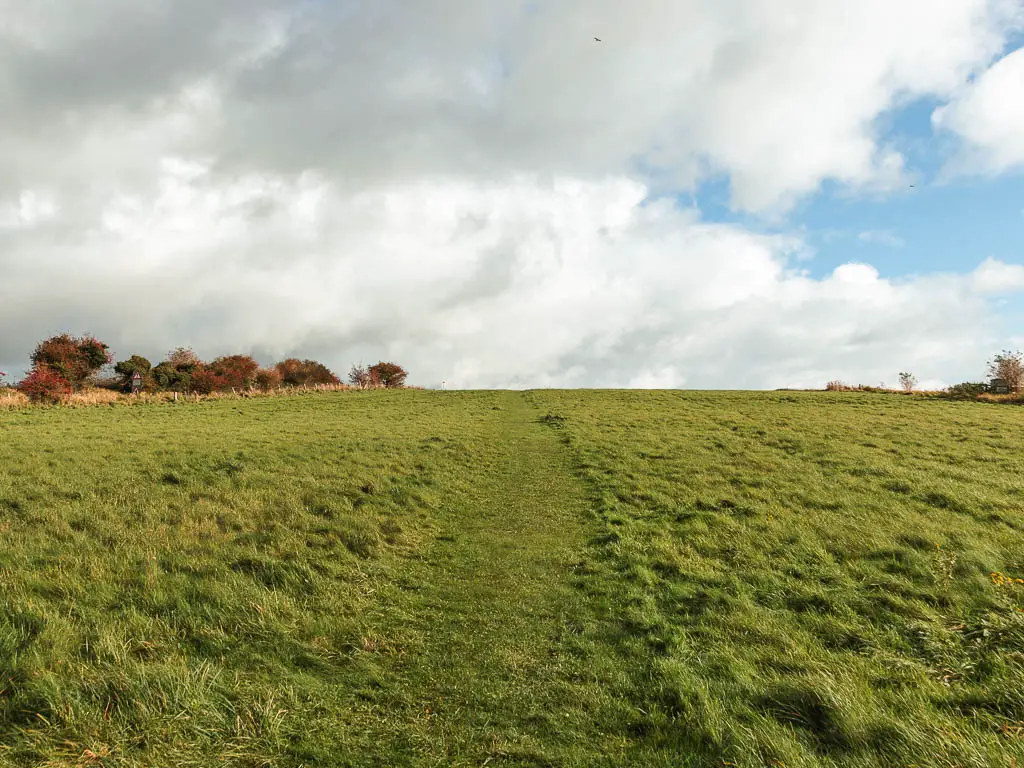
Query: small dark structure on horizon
(999, 387)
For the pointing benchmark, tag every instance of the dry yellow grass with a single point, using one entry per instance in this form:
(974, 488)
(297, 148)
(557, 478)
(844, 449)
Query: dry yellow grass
(1013, 398)
(12, 398)
(839, 386)
(91, 397)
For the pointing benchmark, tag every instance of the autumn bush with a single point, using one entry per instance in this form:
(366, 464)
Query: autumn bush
(268, 379)
(390, 375)
(298, 373)
(44, 385)
(206, 381)
(381, 375)
(73, 359)
(234, 371)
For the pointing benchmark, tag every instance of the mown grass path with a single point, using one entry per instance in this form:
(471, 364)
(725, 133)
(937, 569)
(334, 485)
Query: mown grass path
(482, 625)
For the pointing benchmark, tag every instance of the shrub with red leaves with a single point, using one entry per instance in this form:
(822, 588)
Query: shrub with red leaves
(205, 381)
(268, 379)
(44, 385)
(389, 375)
(297, 373)
(235, 371)
(72, 359)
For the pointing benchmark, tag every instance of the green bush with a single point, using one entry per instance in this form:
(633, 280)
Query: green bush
(967, 389)
(127, 368)
(171, 378)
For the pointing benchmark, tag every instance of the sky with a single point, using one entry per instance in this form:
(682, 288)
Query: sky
(719, 194)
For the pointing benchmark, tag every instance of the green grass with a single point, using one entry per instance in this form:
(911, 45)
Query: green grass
(542, 578)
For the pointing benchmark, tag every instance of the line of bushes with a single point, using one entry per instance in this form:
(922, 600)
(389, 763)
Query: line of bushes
(65, 364)
(1006, 368)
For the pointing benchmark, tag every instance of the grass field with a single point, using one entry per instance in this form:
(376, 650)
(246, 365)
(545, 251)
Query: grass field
(499, 578)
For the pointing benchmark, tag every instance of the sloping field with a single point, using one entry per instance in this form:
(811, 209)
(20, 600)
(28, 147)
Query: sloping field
(536, 579)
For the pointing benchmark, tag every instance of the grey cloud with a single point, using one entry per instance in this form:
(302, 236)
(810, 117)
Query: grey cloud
(115, 55)
(380, 92)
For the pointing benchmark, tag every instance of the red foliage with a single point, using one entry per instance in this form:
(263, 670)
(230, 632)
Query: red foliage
(389, 375)
(44, 385)
(183, 359)
(73, 359)
(296, 373)
(235, 371)
(205, 380)
(268, 379)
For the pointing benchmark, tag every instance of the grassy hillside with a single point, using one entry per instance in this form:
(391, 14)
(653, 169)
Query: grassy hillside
(548, 578)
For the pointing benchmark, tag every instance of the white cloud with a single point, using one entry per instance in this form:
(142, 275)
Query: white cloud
(474, 190)
(881, 237)
(30, 209)
(989, 115)
(994, 277)
(522, 283)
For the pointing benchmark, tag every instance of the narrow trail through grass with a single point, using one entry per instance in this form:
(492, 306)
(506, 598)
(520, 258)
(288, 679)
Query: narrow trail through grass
(487, 609)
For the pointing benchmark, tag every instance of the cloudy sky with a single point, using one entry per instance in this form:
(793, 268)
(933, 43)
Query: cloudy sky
(719, 194)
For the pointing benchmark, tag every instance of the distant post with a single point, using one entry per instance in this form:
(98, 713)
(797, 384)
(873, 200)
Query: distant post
(136, 383)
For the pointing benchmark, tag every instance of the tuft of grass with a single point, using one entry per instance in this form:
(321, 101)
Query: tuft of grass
(12, 398)
(93, 396)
